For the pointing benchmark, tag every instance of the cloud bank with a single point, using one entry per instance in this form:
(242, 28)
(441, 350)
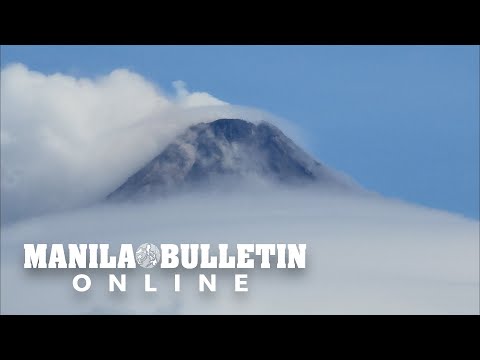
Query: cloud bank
(68, 142)
(364, 255)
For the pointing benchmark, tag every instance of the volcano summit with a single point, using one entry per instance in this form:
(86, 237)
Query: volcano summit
(229, 152)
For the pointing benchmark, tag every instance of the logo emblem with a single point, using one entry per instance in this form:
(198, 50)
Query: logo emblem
(147, 255)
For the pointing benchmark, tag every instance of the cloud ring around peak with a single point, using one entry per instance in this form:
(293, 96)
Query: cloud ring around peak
(67, 141)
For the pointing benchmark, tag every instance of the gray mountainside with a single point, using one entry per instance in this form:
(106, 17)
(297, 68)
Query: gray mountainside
(228, 151)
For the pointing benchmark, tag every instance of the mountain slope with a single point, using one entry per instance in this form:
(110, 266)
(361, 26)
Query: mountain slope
(228, 151)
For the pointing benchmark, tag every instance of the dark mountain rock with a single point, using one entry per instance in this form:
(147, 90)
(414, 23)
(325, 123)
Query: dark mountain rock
(228, 151)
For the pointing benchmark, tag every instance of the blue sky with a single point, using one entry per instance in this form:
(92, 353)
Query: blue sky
(401, 120)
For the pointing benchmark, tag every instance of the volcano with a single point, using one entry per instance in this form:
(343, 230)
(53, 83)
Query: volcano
(227, 153)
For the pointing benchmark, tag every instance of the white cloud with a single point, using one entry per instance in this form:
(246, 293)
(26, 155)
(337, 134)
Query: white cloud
(68, 142)
(364, 255)
(193, 100)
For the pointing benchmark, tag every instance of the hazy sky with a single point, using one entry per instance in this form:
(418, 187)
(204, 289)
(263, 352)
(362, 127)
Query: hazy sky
(401, 120)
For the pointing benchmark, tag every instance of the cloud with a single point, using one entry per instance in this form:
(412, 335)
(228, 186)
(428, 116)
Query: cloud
(68, 142)
(364, 255)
